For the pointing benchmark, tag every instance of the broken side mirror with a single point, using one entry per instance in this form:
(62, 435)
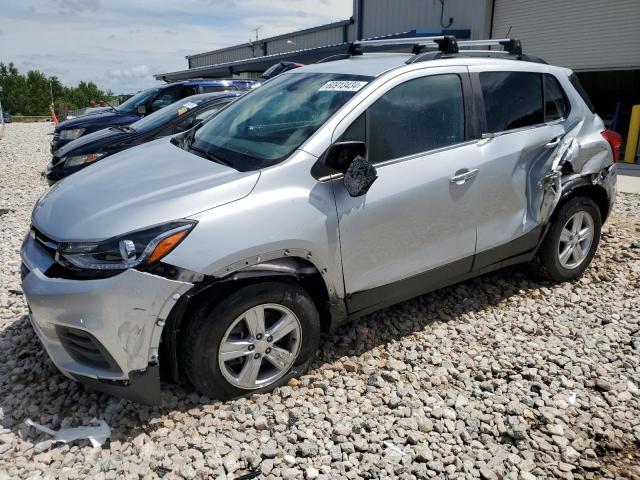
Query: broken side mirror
(142, 110)
(350, 159)
(359, 176)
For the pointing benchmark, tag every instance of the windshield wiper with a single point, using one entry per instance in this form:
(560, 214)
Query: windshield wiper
(209, 156)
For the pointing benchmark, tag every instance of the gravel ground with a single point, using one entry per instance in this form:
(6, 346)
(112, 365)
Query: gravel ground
(501, 377)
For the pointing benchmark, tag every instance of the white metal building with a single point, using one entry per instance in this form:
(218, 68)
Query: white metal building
(598, 39)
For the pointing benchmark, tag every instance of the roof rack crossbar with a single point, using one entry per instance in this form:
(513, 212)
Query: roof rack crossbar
(511, 45)
(441, 44)
(444, 43)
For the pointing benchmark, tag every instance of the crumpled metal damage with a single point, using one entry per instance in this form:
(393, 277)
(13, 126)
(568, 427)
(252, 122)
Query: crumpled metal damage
(576, 155)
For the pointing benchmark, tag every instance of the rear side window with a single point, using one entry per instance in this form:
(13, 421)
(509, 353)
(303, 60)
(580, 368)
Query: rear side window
(512, 100)
(573, 78)
(419, 115)
(556, 105)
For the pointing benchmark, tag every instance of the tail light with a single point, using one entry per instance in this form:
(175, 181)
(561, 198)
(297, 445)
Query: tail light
(615, 140)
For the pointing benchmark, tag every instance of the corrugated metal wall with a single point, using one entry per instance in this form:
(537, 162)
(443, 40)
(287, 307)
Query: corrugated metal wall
(578, 34)
(318, 38)
(384, 17)
(222, 56)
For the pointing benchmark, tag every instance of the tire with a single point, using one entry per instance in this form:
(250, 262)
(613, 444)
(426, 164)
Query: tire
(217, 334)
(549, 263)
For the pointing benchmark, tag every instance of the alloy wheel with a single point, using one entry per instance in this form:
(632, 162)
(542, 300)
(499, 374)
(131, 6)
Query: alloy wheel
(260, 346)
(576, 238)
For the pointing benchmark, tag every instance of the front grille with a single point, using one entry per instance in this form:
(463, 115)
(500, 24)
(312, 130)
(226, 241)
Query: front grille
(85, 348)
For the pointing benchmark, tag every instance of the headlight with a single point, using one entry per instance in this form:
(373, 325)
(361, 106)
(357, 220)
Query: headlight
(80, 159)
(125, 251)
(71, 134)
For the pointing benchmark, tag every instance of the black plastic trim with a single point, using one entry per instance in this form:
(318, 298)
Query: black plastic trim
(493, 257)
(84, 348)
(143, 386)
(520, 250)
(366, 301)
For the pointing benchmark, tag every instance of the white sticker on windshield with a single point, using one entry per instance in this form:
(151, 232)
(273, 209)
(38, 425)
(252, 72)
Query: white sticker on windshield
(190, 105)
(342, 86)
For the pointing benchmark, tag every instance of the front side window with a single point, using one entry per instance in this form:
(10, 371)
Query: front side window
(192, 120)
(512, 100)
(141, 98)
(265, 126)
(417, 116)
(167, 115)
(166, 98)
(556, 105)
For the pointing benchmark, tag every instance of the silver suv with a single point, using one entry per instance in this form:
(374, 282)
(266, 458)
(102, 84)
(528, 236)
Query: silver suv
(333, 190)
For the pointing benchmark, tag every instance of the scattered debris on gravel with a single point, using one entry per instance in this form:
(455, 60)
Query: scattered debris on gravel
(501, 377)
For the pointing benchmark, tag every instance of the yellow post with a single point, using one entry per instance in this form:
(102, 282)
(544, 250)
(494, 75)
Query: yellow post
(632, 138)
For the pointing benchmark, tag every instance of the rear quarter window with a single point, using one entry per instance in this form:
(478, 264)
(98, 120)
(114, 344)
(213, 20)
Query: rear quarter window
(573, 78)
(556, 105)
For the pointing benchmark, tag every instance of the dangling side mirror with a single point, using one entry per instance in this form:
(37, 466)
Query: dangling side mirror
(359, 177)
(350, 158)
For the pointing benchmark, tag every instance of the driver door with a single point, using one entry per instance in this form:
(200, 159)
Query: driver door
(416, 226)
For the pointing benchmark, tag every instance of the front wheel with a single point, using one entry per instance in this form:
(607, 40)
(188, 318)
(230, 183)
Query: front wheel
(571, 241)
(252, 341)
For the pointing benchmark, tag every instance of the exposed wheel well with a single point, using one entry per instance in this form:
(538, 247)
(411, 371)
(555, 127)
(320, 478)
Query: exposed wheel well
(595, 192)
(212, 290)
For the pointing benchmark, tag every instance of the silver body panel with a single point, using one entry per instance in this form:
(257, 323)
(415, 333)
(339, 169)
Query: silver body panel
(413, 220)
(124, 313)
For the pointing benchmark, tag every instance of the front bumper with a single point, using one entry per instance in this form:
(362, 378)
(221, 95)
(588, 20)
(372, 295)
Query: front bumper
(104, 333)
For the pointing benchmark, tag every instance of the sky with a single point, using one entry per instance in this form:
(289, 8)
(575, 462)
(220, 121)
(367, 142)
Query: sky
(120, 44)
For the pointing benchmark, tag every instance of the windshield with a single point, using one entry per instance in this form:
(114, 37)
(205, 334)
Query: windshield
(169, 113)
(265, 126)
(138, 99)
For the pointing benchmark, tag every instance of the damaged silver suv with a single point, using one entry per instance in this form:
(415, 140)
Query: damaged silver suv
(219, 255)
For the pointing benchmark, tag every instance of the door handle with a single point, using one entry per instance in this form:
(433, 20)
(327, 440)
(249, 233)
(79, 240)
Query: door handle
(463, 176)
(554, 142)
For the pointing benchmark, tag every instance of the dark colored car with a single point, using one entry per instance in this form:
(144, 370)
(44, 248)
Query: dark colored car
(177, 117)
(141, 104)
(7, 117)
(278, 68)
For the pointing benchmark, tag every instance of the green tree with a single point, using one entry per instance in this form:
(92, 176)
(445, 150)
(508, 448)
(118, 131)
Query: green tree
(30, 94)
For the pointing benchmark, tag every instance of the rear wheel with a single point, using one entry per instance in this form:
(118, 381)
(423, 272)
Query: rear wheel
(253, 341)
(571, 241)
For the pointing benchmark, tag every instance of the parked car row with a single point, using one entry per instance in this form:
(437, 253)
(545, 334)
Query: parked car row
(221, 252)
(175, 118)
(141, 104)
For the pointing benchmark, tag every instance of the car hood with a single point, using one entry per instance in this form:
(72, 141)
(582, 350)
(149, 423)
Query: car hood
(94, 142)
(102, 119)
(147, 185)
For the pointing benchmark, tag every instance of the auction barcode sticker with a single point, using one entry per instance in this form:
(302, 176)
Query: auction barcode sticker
(342, 86)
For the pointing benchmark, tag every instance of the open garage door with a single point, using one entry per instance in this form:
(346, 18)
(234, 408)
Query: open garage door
(583, 35)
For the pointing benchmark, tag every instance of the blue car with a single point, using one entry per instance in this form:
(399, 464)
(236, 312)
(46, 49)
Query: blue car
(141, 104)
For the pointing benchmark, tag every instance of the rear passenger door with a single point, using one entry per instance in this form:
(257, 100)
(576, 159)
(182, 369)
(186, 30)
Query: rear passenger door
(416, 217)
(521, 131)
